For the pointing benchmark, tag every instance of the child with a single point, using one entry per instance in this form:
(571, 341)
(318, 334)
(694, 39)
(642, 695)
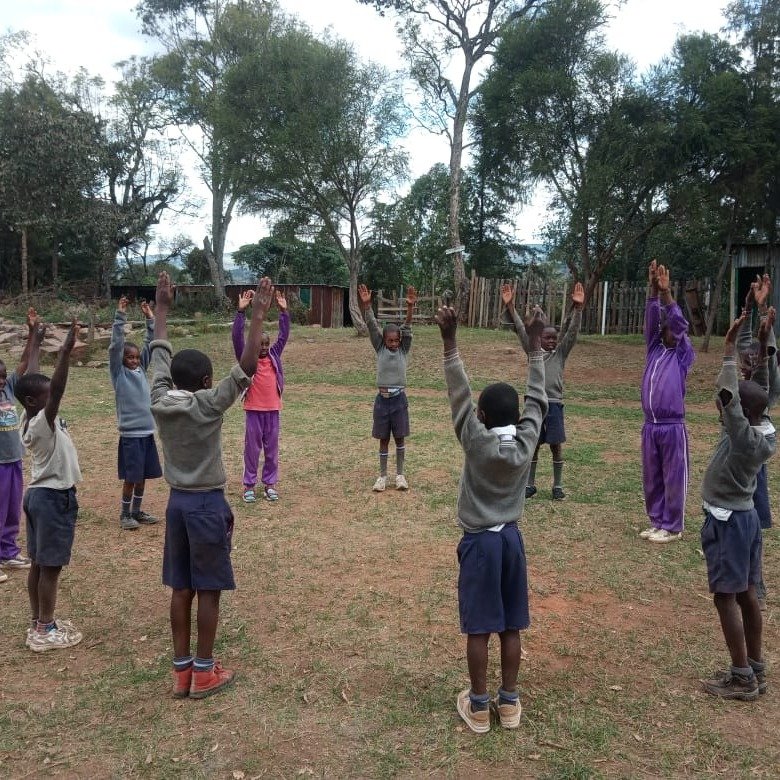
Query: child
(391, 409)
(11, 450)
(731, 534)
(493, 586)
(137, 458)
(50, 502)
(198, 520)
(556, 350)
(664, 435)
(263, 401)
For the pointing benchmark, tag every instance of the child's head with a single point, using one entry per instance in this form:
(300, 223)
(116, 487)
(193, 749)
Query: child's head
(498, 405)
(549, 338)
(667, 336)
(132, 356)
(748, 360)
(391, 336)
(191, 370)
(32, 391)
(265, 345)
(3, 375)
(753, 399)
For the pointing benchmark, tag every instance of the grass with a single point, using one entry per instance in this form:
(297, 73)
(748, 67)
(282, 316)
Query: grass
(344, 628)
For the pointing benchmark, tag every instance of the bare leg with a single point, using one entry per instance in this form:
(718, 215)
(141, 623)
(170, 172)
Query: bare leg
(32, 589)
(384, 446)
(181, 609)
(477, 660)
(731, 624)
(752, 621)
(47, 592)
(208, 616)
(510, 659)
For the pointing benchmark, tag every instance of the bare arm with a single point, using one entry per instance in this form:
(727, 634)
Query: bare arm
(59, 378)
(261, 303)
(25, 358)
(163, 302)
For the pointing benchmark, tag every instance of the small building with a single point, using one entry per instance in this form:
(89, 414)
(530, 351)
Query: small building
(748, 260)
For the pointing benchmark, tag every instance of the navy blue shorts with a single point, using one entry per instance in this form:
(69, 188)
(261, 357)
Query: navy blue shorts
(198, 532)
(493, 582)
(391, 416)
(732, 550)
(761, 499)
(552, 426)
(51, 524)
(137, 459)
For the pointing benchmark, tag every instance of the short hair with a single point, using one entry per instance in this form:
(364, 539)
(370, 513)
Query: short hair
(390, 327)
(188, 367)
(499, 404)
(30, 384)
(130, 345)
(752, 397)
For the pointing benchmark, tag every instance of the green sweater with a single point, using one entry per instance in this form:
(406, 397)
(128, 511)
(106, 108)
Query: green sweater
(495, 472)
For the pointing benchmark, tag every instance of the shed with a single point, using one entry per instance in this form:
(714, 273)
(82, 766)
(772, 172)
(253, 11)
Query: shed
(747, 260)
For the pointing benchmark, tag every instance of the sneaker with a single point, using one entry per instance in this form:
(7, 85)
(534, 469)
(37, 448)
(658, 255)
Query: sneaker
(760, 674)
(508, 713)
(128, 523)
(648, 532)
(558, 494)
(182, 682)
(401, 483)
(728, 685)
(61, 636)
(477, 720)
(380, 485)
(249, 496)
(143, 518)
(17, 562)
(530, 490)
(661, 536)
(27, 641)
(206, 683)
(271, 494)
(3, 576)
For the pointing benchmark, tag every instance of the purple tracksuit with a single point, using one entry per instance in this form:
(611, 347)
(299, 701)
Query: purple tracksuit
(262, 428)
(664, 436)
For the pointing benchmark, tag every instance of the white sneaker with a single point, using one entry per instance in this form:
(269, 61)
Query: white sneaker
(3, 576)
(401, 483)
(380, 484)
(648, 532)
(661, 535)
(62, 636)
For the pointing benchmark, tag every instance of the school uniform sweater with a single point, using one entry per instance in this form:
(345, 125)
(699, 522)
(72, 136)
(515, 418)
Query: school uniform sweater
(555, 360)
(495, 471)
(131, 388)
(190, 424)
(390, 365)
(730, 478)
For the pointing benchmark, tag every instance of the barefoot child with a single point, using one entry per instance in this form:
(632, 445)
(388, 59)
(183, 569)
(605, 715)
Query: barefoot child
(731, 534)
(137, 458)
(198, 520)
(50, 504)
(556, 349)
(391, 408)
(11, 450)
(263, 400)
(492, 585)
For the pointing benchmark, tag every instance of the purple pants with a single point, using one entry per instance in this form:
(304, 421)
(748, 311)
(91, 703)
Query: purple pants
(10, 508)
(665, 473)
(262, 434)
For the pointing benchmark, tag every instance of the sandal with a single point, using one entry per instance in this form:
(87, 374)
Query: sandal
(271, 494)
(249, 496)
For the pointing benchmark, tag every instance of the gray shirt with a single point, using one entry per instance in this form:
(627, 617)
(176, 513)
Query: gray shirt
(10, 441)
(390, 365)
(190, 424)
(495, 471)
(53, 459)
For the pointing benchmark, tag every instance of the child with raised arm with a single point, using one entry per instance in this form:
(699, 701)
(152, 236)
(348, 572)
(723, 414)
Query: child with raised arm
(198, 520)
(731, 534)
(50, 504)
(493, 585)
(664, 435)
(137, 458)
(263, 400)
(391, 408)
(11, 478)
(556, 348)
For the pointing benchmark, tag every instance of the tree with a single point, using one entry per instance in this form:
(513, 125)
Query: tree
(432, 31)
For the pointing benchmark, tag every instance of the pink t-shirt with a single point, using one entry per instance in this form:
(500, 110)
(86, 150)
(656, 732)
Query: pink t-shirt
(263, 394)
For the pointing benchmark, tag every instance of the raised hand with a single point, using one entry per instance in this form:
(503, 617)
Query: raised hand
(122, 304)
(264, 294)
(244, 299)
(663, 278)
(165, 291)
(534, 329)
(508, 295)
(146, 309)
(38, 332)
(652, 277)
(70, 339)
(364, 296)
(578, 296)
(766, 326)
(411, 296)
(281, 301)
(447, 319)
(761, 290)
(731, 336)
(32, 319)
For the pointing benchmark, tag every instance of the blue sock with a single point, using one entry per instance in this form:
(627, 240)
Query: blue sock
(479, 702)
(135, 506)
(506, 697)
(202, 664)
(180, 664)
(126, 505)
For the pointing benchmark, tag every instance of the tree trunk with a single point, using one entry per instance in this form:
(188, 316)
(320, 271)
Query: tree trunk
(216, 277)
(23, 262)
(712, 311)
(55, 266)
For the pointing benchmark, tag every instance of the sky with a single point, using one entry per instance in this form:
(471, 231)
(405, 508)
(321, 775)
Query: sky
(96, 34)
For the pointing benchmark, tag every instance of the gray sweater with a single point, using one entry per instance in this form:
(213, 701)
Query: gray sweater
(131, 388)
(390, 366)
(554, 361)
(495, 472)
(730, 479)
(190, 424)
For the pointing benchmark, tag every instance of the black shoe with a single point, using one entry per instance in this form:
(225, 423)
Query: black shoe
(728, 685)
(558, 494)
(530, 490)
